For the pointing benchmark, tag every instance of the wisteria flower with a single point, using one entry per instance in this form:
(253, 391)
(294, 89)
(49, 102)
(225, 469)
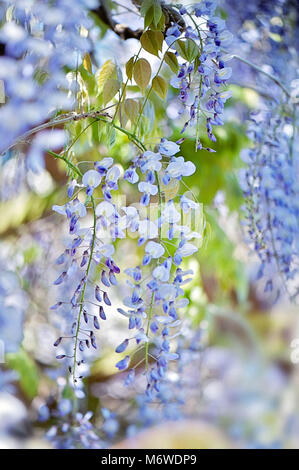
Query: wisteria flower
(150, 162)
(112, 177)
(188, 204)
(106, 250)
(91, 180)
(187, 249)
(168, 148)
(155, 250)
(75, 207)
(148, 189)
(162, 272)
(131, 175)
(105, 209)
(147, 229)
(131, 219)
(103, 165)
(167, 292)
(170, 215)
(178, 168)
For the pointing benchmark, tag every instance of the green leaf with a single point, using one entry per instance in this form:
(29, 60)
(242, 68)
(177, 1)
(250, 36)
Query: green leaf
(108, 71)
(22, 363)
(110, 89)
(187, 49)
(131, 108)
(95, 132)
(142, 73)
(152, 41)
(160, 86)
(87, 63)
(157, 12)
(89, 80)
(129, 68)
(145, 6)
(160, 26)
(111, 136)
(172, 61)
(149, 17)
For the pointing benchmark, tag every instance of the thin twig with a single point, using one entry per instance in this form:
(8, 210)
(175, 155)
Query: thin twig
(260, 70)
(55, 122)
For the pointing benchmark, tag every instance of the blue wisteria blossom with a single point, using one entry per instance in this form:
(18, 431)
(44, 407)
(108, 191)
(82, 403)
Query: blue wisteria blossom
(84, 251)
(156, 292)
(201, 81)
(13, 304)
(271, 189)
(40, 39)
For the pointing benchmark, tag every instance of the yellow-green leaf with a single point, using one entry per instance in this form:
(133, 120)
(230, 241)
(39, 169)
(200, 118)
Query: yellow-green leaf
(129, 68)
(108, 71)
(87, 63)
(172, 61)
(187, 49)
(142, 73)
(160, 86)
(131, 108)
(110, 89)
(152, 41)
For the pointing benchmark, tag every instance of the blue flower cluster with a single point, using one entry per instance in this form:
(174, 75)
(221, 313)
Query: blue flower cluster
(156, 287)
(271, 190)
(40, 39)
(13, 304)
(201, 78)
(73, 432)
(88, 249)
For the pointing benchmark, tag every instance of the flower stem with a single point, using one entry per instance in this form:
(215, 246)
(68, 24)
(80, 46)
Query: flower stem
(84, 287)
(150, 314)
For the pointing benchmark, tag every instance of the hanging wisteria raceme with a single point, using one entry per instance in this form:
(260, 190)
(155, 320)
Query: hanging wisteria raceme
(36, 51)
(202, 77)
(160, 274)
(89, 249)
(13, 303)
(157, 286)
(271, 189)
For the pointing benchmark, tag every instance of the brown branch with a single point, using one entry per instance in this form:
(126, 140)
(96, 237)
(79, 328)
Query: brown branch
(124, 31)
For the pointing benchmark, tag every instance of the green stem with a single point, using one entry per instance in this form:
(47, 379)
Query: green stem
(150, 313)
(151, 87)
(200, 83)
(69, 164)
(53, 123)
(131, 136)
(84, 288)
(79, 173)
